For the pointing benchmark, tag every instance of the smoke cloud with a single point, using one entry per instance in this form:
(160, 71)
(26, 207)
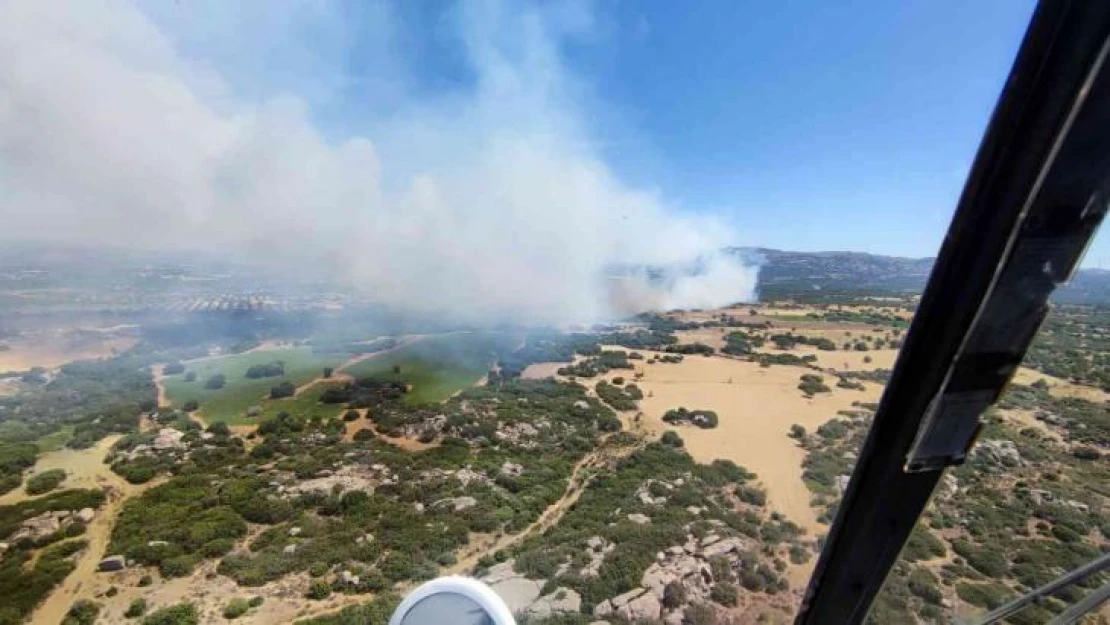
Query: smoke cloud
(164, 131)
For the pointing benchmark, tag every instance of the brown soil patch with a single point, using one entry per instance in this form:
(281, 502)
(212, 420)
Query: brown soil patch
(1059, 387)
(756, 407)
(1025, 418)
(51, 353)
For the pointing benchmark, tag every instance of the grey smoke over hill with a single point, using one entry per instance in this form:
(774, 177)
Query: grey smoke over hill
(170, 131)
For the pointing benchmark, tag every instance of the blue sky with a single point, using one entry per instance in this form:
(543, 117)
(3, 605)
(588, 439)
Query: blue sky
(490, 146)
(810, 125)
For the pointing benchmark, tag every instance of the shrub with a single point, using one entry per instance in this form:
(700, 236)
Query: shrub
(145, 580)
(989, 595)
(671, 438)
(922, 545)
(812, 384)
(215, 382)
(799, 554)
(173, 368)
(1084, 452)
(924, 584)
(318, 589)
(82, 612)
(797, 431)
(46, 481)
(179, 614)
(191, 376)
(350, 415)
(754, 496)
(219, 428)
(190, 406)
(699, 614)
(179, 566)
(136, 609)
(235, 608)
(725, 594)
(256, 601)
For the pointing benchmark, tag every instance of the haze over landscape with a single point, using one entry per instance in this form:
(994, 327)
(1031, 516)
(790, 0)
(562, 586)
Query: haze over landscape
(304, 303)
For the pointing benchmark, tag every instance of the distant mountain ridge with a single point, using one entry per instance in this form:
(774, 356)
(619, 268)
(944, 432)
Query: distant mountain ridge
(785, 272)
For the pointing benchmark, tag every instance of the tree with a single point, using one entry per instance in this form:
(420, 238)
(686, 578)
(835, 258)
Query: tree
(173, 368)
(190, 406)
(219, 428)
(396, 369)
(797, 431)
(350, 415)
(285, 389)
(671, 438)
(191, 376)
(215, 382)
(328, 371)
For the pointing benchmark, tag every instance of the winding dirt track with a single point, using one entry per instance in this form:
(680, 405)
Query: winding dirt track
(89, 471)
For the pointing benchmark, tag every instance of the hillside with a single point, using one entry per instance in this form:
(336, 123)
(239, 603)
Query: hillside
(787, 272)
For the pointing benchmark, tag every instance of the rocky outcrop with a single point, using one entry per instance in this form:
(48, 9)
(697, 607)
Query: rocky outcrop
(562, 601)
(517, 591)
(112, 563)
(687, 564)
(168, 438)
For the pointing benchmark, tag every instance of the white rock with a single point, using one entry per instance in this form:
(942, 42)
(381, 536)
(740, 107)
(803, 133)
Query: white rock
(639, 519)
(289, 550)
(621, 600)
(562, 601)
(294, 531)
(86, 515)
(646, 607)
(517, 592)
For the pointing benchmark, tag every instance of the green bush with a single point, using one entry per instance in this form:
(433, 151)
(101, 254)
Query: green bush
(924, 584)
(178, 614)
(811, 384)
(45, 481)
(988, 595)
(671, 438)
(700, 614)
(725, 594)
(235, 608)
(922, 545)
(215, 382)
(136, 608)
(82, 612)
(318, 589)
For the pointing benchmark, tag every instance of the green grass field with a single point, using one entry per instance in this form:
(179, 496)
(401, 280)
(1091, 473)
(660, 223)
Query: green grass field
(55, 441)
(229, 404)
(436, 367)
(306, 404)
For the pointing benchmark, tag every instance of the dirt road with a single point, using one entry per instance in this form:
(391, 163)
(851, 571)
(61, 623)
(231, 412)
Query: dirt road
(87, 470)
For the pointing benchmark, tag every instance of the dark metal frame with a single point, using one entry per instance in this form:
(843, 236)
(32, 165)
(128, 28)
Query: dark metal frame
(1036, 194)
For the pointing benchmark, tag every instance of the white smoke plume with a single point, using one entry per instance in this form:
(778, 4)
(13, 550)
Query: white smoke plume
(162, 131)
